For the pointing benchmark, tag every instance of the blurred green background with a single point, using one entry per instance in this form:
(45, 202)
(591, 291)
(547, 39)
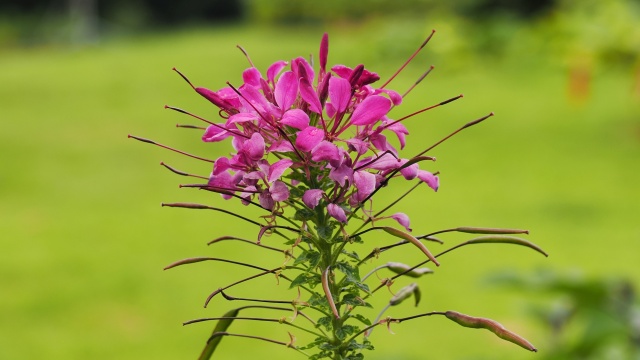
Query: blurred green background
(84, 239)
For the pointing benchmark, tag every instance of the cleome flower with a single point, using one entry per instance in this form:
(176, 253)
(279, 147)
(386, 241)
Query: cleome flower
(311, 147)
(328, 132)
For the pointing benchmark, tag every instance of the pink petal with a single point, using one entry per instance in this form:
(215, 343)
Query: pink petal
(279, 191)
(254, 147)
(339, 93)
(365, 182)
(383, 162)
(278, 168)
(402, 219)
(337, 213)
(312, 197)
(266, 201)
(252, 77)
(358, 146)
(286, 90)
(371, 110)
(410, 172)
(215, 133)
(274, 70)
(309, 138)
(220, 165)
(394, 96)
(341, 174)
(256, 101)
(326, 151)
(241, 118)
(295, 118)
(400, 130)
(331, 110)
(246, 195)
(281, 146)
(342, 71)
(431, 180)
(309, 95)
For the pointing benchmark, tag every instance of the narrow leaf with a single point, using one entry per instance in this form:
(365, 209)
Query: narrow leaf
(221, 327)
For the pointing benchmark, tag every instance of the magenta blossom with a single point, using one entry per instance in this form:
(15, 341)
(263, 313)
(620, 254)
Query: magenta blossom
(311, 148)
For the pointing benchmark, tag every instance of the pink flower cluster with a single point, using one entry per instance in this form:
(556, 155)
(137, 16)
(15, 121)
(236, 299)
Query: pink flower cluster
(323, 133)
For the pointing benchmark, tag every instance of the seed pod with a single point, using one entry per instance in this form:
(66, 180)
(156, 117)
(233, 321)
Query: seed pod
(400, 268)
(477, 230)
(404, 294)
(410, 238)
(491, 325)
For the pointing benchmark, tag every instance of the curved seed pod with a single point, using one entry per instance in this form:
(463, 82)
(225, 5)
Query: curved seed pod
(410, 238)
(477, 230)
(404, 294)
(502, 239)
(417, 294)
(221, 327)
(327, 292)
(491, 325)
(400, 268)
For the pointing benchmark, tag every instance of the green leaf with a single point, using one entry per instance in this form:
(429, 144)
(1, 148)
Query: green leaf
(325, 321)
(305, 278)
(358, 356)
(297, 192)
(304, 214)
(352, 254)
(350, 272)
(216, 335)
(325, 231)
(353, 300)
(312, 258)
(361, 318)
(344, 331)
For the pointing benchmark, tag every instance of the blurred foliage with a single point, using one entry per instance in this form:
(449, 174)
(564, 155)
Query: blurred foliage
(585, 318)
(582, 35)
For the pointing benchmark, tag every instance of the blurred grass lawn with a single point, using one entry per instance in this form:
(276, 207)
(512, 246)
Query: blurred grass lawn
(84, 238)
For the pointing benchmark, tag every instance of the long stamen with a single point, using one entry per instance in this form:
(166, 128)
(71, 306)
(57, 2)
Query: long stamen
(200, 259)
(207, 121)
(205, 207)
(246, 55)
(184, 77)
(190, 127)
(424, 43)
(425, 109)
(223, 238)
(169, 148)
(176, 171)
(418, 81)
(469, 124)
